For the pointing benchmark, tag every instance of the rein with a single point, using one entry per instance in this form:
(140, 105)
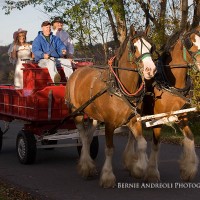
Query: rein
(110, 63)
(121, 68)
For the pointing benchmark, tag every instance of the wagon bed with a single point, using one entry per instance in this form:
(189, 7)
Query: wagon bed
(41, 106)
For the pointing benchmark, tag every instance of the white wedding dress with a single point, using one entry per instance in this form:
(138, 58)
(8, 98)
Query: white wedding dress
(23, 52)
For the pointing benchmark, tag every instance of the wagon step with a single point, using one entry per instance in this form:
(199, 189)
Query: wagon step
(74, 134)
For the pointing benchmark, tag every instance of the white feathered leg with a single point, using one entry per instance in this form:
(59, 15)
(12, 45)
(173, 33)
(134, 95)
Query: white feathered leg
(129, 152)
(189, 160)
(107, 179)
(152, 174)
(139, 163)
(86, 166)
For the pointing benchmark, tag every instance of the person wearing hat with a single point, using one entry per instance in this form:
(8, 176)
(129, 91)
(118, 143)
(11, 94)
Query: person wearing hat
(48, 50)
(18, 51)
(57, 25)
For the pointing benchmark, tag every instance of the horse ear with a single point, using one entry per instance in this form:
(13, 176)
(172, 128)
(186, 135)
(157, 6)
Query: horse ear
(148, 30)
(132, 30)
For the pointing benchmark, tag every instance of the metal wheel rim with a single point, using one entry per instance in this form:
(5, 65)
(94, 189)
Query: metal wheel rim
(21, 148)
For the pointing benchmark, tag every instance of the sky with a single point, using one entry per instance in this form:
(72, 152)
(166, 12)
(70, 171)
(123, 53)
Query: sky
(29, 18)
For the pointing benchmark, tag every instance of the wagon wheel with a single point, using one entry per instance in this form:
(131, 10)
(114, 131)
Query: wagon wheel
(26, 147)
(94, 148)
(1, 139)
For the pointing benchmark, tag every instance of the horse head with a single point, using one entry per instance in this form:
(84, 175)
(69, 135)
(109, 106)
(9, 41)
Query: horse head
(191, 44)
(141, 50)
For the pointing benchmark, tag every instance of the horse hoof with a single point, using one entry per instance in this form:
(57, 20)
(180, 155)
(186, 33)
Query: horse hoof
(107, 183)
(187, 176)
(188, 169)
(107, 180)
(128, 161)
(152, 179)
(137, 172)
(152, 175)
(87, 170)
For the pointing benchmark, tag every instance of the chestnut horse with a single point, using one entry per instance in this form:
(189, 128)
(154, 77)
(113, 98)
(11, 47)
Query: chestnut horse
(121, 91)
(174, 95)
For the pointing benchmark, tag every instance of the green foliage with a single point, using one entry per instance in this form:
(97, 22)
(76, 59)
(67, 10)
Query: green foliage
(5, 67)
(194, 73)
(85, 18)
(88, 23)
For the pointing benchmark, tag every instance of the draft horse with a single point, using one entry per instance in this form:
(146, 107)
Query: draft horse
(171, 92)
(120, 90)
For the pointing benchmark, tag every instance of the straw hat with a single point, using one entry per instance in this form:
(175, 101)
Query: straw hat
(20, 30)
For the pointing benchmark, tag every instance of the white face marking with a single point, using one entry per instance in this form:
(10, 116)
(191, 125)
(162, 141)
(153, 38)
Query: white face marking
(197, 43)
(149, 66)
(145, 46)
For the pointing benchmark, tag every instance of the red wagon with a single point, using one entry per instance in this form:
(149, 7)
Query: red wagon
(40, 105)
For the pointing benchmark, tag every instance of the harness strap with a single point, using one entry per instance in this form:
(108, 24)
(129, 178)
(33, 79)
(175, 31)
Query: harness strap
(185, 54)
(110, 62)
(175, 92)
(133, 107)
(76, 112)
(142, 57)
(121, 68)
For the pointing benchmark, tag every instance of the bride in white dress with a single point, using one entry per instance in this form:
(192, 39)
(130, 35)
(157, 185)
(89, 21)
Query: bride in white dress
(18, 51)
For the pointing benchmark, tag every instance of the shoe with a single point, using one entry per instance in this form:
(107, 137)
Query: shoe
(57, 78)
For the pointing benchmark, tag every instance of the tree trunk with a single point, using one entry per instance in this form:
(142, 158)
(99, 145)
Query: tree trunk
(119, 13)
(196, 16)
(161, 28)
(184, 13)
(114, 31)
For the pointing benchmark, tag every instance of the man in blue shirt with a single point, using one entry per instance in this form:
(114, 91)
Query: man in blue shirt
(48, 50)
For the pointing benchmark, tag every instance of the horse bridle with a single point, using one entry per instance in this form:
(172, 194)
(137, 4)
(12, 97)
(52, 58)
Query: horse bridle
(136, 60)
(132, 49)
(187, 45)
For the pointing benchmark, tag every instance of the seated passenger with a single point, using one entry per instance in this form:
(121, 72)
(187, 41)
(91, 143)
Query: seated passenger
(49, 50)
(18, 51)
(57, 25)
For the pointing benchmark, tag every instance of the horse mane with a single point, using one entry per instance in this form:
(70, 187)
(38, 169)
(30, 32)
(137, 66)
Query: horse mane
(171, 41)
(122, 48)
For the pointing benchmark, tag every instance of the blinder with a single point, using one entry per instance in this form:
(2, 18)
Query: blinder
(132, 47)
(188, 43)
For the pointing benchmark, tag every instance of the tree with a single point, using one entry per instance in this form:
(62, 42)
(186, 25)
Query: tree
(92, 22)
(111, 18)
(196, 16)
